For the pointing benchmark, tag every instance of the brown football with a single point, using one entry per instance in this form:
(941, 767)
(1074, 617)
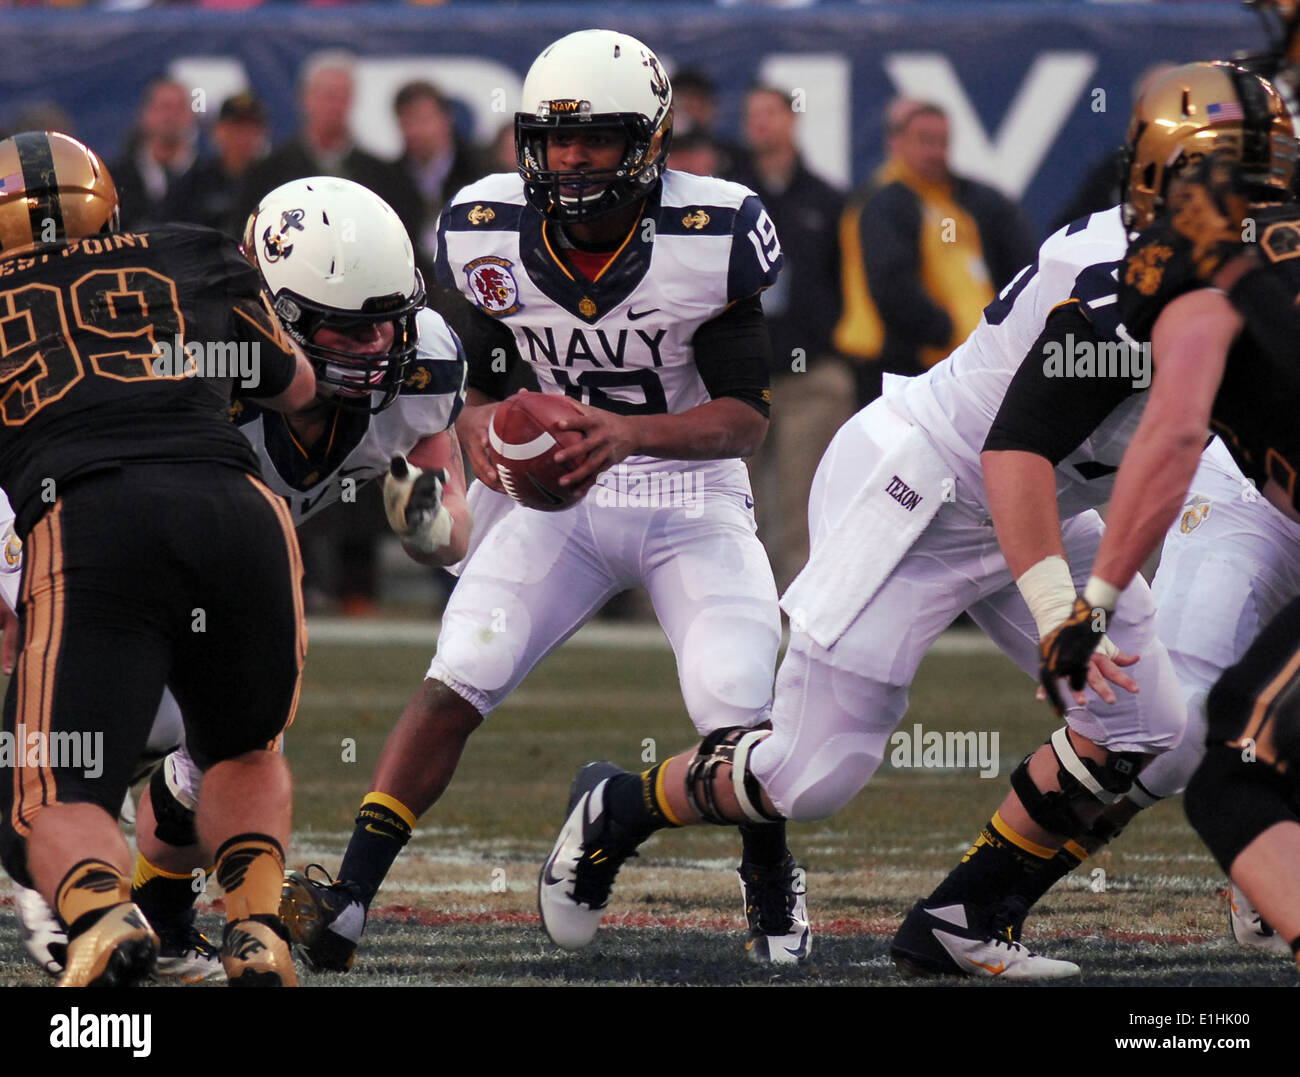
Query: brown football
(522, 443)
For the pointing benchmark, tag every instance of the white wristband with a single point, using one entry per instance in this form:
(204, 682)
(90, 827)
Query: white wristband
(1048, 590)
(1101, 595)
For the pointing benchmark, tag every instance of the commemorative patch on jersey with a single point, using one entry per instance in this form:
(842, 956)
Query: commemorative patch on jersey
(492, 284)
(1145, 268)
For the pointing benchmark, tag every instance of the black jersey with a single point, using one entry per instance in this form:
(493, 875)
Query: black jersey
(1255, 410)
(127, 347)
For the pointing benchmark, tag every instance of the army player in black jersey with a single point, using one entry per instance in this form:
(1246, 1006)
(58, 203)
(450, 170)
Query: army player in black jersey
(1225, 335)
(138, 504)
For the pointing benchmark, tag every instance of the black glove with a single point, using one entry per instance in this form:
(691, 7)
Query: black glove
(1066, 652)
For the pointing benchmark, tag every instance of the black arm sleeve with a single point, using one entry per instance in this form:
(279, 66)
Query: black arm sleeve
(255, 322)
(489, 346)
(1052, 416)
(733, 353)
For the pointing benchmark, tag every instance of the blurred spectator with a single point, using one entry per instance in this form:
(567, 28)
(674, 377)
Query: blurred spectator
(696, 152)
(924, 252)
(39, 116)
(812, 389)
(161, 150)
(208, 192)
(1101, 187)
(503, 149)
(437, 161)
(695, 108)
(324, 147)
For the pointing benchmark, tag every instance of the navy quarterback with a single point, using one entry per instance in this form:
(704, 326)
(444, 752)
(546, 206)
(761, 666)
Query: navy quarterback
(634, 292)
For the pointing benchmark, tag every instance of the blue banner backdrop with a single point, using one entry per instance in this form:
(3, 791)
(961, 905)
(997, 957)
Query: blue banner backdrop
(1037, 92)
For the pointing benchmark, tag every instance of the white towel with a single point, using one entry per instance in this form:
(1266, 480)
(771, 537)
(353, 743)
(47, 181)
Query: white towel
(894, 504)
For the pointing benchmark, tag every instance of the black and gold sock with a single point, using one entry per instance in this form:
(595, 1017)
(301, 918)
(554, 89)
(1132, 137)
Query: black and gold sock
(638, 803)
(764, 844)
(165, 897)
(250, 869)
(383, 826)
(89, 889)
(999, 863)
(1068, 857)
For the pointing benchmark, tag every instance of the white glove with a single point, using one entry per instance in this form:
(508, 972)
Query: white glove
(413, 502)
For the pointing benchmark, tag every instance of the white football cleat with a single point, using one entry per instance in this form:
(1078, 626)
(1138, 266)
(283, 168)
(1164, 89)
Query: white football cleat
(43, 937)
(777, 910)
(939, 942)
(185, 953)
(574, 886)
(1251, 929)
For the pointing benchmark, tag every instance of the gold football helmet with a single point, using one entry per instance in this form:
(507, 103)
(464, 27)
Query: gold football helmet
(1197, 109)
(52, 189)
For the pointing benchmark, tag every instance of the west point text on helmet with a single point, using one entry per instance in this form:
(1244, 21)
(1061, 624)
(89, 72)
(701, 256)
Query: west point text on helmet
(209, 359)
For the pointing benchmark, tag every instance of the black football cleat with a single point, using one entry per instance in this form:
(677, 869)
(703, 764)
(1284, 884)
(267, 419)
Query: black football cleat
(777, 910)
(324, 919)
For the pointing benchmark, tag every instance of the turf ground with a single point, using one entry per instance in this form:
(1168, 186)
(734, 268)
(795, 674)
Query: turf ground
(459, 907)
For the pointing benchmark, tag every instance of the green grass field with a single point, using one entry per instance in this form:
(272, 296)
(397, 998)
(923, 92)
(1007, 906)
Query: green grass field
(459, 907)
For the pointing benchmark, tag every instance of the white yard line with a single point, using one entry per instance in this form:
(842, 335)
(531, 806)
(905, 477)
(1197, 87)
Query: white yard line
(598, 635)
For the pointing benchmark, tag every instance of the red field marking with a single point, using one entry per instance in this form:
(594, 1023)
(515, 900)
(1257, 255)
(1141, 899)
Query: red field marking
(841, 925)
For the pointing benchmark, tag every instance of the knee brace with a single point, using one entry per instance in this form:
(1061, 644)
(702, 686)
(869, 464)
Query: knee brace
(1230, 802)
(1083, 782)
(174, 822)
(730, 745)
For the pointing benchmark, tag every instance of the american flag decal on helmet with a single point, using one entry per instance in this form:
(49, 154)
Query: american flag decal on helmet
(1228, 110)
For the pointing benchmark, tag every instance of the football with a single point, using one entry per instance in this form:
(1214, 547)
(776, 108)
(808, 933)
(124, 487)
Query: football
(522, 443)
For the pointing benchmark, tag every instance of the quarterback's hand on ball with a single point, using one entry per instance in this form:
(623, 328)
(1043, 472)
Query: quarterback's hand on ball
(1079, 651)
(472, 429)
(413, 503)
(607, 439)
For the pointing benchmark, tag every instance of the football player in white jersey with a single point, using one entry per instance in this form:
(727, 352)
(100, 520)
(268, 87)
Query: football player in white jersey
(895, 558)
(391, 381)
(635, 292)
(1230, 562)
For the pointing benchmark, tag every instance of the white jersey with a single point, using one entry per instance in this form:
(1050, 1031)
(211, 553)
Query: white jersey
(956, 401)
(624, 341)
(361, 445)
(11, 560)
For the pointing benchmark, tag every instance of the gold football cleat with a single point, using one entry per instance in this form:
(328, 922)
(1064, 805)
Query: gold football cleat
(254, 954)
(118, 951)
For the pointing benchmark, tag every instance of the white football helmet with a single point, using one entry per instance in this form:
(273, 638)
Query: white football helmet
(334, 254)
(594, 78)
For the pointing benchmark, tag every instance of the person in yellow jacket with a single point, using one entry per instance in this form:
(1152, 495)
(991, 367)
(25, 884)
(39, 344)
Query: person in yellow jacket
(924, 251)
